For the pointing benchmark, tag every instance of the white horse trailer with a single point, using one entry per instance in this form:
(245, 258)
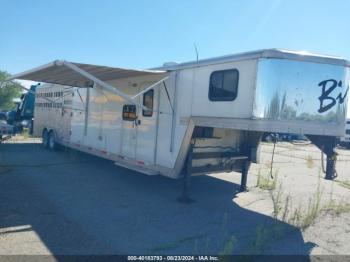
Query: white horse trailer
(192, 118)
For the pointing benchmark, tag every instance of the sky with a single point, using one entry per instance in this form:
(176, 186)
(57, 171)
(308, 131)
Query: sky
(145, 34)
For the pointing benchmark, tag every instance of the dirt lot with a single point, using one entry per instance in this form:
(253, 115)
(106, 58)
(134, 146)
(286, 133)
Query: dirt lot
(68, 202)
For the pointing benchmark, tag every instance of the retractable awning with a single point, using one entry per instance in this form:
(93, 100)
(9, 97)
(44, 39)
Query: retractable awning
(85, 75)
(62, 72)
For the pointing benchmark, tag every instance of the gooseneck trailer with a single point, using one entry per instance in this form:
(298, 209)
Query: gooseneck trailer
(193, 118)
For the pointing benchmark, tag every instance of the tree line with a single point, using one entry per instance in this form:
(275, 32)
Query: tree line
(8, 92)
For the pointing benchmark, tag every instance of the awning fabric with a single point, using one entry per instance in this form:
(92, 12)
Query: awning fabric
(59, 72)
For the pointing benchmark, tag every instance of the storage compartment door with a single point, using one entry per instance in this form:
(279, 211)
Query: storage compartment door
(147, 127)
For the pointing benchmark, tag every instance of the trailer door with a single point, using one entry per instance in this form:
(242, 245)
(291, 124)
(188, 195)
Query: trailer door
(129, 133)
(66, 107)
(146, 127)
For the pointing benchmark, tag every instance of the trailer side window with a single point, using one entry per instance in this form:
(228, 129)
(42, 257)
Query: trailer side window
(148, 102)
(223, 85)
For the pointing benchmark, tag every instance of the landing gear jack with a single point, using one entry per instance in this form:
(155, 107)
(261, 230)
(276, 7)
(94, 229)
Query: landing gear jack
(184, 198)
(327, 144)
(245, 168)
(330, 166)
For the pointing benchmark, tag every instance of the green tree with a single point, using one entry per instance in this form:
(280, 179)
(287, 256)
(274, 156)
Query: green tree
(8, 91)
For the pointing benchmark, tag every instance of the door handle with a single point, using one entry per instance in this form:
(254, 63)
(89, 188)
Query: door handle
(137, 122)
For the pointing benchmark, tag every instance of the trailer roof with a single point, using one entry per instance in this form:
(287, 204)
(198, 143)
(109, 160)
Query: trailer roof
(265, 53)
(60, 72)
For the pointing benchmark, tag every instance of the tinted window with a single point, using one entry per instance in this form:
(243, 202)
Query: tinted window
(223, 85)
(148, 102)
(347, 132)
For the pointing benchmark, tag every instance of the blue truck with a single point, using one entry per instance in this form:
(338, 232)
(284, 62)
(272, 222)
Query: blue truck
(14, 121)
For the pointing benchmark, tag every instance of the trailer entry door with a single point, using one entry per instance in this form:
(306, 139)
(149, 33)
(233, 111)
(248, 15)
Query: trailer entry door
(129, 132)
(146, 128)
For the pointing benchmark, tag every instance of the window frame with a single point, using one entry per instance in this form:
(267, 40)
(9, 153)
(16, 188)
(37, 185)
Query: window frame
(145, 112)
(223, 99)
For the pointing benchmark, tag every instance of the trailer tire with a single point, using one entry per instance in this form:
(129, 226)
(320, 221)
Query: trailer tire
(30, 127)
(45, 138)
(52, 141)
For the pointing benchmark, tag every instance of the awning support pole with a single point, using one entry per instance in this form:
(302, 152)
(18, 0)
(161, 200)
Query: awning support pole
(150, 87)
(87, 103)
(173, 117)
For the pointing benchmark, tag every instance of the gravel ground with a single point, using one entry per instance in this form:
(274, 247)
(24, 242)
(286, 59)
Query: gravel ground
(68, 202)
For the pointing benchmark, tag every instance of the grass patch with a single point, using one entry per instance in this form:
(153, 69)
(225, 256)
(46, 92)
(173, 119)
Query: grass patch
(337, 208)
(264, 236)
(345, 184)
(314, 208)
(229, 246)
(25, 133)
(276, 197)
(312, 212)
(301, 217)
(266, 182)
